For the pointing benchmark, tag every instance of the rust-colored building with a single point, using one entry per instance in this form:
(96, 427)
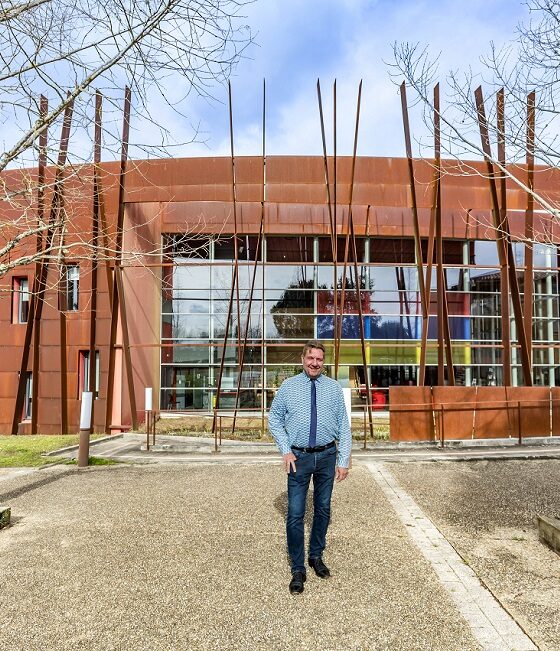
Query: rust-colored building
(179, 263)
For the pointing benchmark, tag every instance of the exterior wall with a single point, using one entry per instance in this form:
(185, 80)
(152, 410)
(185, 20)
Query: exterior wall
(195, 196)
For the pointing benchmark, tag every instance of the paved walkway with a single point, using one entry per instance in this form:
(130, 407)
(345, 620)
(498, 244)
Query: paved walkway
(180, 449)
(192, 556)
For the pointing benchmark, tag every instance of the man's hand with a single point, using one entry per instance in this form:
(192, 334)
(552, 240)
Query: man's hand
(289, 461)
(340, 473)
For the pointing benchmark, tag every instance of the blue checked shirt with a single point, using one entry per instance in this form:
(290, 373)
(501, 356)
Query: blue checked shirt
(290, 415)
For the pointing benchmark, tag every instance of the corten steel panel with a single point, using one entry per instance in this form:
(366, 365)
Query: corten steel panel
(10, 358)
(72, 388)
(534, 406)
(410, 414)
(49, 415)
(555, 399)
(49, 361)
(491, 420)
(99, 414)
(50, 332)
(77, 327)
(180, 193)
(8, 385)
(295, 169)
(458, 422)
(14, 333)
(6, 411)
(178, 171)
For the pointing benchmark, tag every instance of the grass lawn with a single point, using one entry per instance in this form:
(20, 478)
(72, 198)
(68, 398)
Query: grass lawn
(21, 451)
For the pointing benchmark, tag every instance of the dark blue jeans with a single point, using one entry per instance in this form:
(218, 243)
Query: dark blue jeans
(320, 466)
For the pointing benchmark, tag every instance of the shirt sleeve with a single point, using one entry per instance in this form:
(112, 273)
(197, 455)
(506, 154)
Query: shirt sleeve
(345, 434)
(277, 419)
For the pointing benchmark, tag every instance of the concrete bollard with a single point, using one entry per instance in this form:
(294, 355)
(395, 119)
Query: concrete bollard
(85, 424)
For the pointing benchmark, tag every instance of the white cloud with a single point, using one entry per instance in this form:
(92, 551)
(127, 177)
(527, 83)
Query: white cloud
(356, 45)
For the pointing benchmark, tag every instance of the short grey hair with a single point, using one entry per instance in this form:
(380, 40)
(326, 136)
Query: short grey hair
(312, 343)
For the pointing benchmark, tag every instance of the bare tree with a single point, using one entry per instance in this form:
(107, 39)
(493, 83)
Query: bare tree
(529, 64)
(67, 50)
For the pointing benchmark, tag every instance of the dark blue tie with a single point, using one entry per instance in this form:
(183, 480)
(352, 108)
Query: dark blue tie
(313, 425)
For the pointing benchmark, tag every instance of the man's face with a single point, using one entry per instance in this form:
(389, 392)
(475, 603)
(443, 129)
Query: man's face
(313, 362)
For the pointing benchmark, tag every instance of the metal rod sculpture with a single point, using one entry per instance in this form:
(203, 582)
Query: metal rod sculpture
(250, 302)
(504, 273)
(529, 227)
(235, 230)
(234, 280)
(356, 272)
(95, 258)
(503, 235)
(337, 330)
(118, 296)
(43, 141)
(424, 292)
(444, 337)
(263, 304)
(37, 298)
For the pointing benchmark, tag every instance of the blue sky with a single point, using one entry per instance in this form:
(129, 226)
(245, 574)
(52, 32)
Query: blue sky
(298, 41)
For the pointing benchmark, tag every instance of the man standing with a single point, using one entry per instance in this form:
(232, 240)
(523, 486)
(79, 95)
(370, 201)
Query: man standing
(307, 417)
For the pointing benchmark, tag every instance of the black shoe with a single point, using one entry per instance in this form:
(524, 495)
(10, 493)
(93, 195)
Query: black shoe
(321, 570)
(296, 584)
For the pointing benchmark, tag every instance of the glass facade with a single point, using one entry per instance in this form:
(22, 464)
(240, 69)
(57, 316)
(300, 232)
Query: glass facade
(292, 289)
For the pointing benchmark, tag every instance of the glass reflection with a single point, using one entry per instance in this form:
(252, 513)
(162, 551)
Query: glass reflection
(195, 353)
(185, 326)
(289, 326)
(289, 277)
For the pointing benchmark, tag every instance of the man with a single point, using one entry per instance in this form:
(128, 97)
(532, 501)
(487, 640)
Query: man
(307, 417)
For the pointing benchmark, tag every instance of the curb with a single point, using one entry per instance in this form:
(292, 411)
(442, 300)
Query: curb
(70, 448)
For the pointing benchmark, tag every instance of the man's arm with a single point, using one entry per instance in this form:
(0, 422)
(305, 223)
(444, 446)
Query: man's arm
(344, 441)
(276, 426)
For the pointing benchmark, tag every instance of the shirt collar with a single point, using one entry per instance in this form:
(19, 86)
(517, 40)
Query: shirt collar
(306, 377)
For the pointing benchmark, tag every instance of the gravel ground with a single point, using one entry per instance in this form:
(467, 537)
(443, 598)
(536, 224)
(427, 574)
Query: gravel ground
(193, 557)
(486, 510)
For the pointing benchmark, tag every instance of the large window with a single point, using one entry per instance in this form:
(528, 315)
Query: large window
(290, 297)
(69, 293)
(20, 299)
(84, 367)
(27, 401)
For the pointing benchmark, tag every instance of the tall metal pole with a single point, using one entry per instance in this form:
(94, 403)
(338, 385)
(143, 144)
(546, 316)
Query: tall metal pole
(424, 300)
(326, 168)
(250, 303)
(234, 281)
(37, 298)
(43, 110)
(331, 221)
(428, 284)
(504, 274)
(95, 259)
(503, 240)
(235, 231)
(439, 243)
(417, 243)
(263, 302)
(356, 272)
(337, 328)
(529, 226)
(115, 303)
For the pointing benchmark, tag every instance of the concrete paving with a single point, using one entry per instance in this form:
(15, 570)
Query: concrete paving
(487, 510)
(186, 551)
(192, 557)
